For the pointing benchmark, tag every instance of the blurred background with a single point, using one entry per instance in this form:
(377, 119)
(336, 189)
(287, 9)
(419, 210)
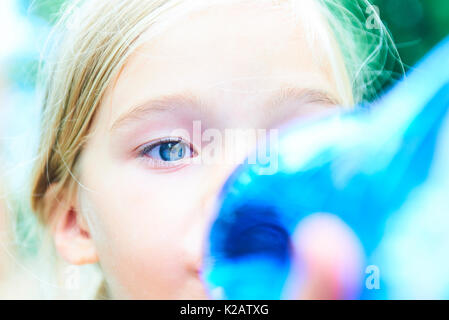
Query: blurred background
(416, 26)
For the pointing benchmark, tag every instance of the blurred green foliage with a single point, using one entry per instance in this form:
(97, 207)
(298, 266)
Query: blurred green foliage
(45, 9)
(416, 25)
(22, 67)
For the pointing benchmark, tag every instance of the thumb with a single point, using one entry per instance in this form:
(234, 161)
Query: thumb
(328, 259)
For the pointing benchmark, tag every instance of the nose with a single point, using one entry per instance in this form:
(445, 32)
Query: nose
(216, 174)
(195, 240)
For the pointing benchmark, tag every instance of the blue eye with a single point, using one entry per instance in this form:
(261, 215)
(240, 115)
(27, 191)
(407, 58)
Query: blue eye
(168, 151)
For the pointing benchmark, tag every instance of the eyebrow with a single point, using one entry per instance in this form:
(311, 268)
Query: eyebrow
(161, 104)
(305, 95)
(173, 101)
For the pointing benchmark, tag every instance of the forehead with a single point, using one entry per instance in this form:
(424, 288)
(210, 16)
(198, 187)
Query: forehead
(226, 55)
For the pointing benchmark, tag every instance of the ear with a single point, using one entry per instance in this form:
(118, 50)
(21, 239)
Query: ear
(69, 228)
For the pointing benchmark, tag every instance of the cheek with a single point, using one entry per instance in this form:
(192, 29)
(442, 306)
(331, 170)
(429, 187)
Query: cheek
(148, 228)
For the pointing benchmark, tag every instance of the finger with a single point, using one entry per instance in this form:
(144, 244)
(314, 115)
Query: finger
(328, 260)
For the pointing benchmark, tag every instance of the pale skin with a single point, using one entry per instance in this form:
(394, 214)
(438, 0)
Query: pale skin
(146, 225)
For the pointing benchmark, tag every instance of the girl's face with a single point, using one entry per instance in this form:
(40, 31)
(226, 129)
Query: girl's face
(147, 208)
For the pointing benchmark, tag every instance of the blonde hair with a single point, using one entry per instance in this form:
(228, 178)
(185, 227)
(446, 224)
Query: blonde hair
(93, 39)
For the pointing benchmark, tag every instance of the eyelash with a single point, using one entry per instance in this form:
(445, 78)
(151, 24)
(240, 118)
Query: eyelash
(150, 147)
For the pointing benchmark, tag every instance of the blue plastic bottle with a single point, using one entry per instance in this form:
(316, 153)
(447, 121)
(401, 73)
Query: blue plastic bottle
(383, 171)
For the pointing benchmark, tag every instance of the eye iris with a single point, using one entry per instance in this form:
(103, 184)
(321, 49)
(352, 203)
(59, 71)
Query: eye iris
(172, 151)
